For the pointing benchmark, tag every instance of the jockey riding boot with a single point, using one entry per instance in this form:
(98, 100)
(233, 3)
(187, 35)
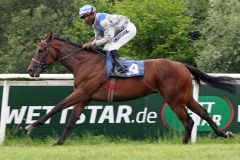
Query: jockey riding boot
(117, 61)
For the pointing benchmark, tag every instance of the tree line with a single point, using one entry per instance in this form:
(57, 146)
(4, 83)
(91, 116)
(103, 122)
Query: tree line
(202, 33)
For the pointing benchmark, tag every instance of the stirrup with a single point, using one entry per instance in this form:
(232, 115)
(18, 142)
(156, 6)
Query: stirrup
(120, 69)
(117, 69)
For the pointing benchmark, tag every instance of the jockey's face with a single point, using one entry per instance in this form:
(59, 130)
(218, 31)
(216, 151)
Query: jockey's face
(89, 19)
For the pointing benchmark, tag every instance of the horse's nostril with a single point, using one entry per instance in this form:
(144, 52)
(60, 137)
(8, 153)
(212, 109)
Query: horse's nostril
(30, 72)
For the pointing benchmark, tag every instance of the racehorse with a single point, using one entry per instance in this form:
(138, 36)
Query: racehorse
(173, 80)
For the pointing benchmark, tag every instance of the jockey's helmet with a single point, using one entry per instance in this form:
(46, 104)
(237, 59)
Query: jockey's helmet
(86, 10)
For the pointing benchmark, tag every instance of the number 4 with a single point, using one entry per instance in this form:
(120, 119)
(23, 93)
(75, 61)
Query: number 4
(134, 68)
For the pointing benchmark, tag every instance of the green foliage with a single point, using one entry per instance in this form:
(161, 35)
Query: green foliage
(24, 32)
(219, 48)
(198, 10)
(162, 26)
(166, 28)
(28, 22)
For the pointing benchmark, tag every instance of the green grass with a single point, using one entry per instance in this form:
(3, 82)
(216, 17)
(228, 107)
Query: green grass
(104, 148)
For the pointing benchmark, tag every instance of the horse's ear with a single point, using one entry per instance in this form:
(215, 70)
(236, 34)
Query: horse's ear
(50, 36)
(46, 36)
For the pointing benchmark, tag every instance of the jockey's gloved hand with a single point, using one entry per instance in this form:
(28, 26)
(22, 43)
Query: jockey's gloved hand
(89, 44)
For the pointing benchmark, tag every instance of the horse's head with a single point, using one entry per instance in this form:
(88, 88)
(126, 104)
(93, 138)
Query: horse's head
(43, 56)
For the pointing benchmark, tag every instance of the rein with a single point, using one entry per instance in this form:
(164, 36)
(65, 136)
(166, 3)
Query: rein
(69, 55)
(44, 66)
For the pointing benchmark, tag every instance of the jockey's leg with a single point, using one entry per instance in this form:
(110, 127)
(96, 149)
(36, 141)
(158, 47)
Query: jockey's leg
(121, 39)
(117, 60)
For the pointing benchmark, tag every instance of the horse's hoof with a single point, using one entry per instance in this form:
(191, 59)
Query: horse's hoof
(230, 134)
(29, 128)
(58, 144)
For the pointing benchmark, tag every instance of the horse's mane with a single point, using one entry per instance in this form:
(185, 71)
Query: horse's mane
(68, 41)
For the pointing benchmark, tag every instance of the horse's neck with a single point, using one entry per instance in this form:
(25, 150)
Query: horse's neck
(82, 59)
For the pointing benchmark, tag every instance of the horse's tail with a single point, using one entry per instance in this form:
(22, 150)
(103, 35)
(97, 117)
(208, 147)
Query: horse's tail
(221, 82)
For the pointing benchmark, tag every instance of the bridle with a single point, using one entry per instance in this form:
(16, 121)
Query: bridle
(41, 63)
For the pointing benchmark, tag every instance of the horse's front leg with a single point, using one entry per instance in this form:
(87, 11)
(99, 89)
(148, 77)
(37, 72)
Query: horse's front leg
(75, 97)
(77, 110)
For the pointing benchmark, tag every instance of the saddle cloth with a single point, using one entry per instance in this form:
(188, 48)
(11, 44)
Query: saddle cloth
(133, 68)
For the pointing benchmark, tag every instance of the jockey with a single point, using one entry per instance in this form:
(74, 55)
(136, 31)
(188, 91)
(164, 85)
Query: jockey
(112, 31)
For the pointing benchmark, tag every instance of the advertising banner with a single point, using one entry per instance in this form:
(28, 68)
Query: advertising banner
(140, 118)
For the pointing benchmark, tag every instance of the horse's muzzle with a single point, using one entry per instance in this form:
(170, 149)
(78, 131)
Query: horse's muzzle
(30, 72)
(33, 73)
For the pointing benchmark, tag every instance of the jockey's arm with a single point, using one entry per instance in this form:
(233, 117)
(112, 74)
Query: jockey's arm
(108, 34)
(97, 34)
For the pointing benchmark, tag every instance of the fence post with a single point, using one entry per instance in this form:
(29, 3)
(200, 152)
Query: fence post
(3, 110)
(195, 117)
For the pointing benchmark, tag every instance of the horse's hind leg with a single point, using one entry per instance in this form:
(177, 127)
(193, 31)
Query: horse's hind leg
(200, 111)
(185, 119)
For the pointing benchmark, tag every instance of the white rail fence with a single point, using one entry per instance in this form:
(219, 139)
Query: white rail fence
(7, 80)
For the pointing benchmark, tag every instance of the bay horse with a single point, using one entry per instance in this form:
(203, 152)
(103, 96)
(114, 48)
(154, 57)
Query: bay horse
(173, 80)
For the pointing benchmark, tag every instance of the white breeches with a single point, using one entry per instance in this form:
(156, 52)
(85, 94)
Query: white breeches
(122, 38)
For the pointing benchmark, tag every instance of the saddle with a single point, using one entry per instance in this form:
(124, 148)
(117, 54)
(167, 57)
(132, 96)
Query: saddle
(133, 68)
